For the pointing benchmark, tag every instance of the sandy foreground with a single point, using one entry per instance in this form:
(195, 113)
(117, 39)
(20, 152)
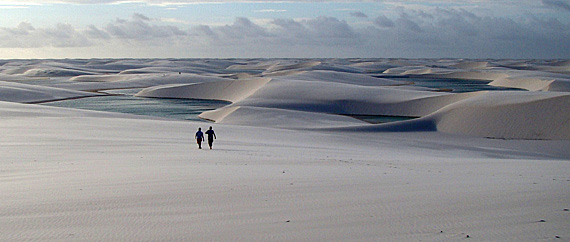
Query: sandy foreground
(483, 166)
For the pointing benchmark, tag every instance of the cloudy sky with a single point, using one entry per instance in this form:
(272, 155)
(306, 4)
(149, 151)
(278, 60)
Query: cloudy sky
(285, 28)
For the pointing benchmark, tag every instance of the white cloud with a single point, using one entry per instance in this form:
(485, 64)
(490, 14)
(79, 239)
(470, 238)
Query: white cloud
(139, 27)
(290, 28)
(330, 27)
(242, 28)
(26, 36)
(173, 20)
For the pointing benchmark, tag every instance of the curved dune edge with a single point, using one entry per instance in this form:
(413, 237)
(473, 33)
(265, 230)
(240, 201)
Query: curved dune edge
(219, 114)
(257, 66)
(115, 81)
(105, 78)
(288, 117)
(290, 66)
(415, 125)
(342, 98)
(522, 79)
(231, 91)
(500, 116)
(283, 73)
(276, 118)
(541, 83)
(531, 84)
(25, 93)
(497, 115)
(343, 77)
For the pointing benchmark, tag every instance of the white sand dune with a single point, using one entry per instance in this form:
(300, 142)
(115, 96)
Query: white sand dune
(541, 79)
(175, 69)
(488, 75)
(18, 78)
(340, 98)
(261, 65)
(472, 65)
(507, 115)
(373, 66)
(532, 116)
(232, 91)
(491, 165)
(403, 69)
(278, 118)
(52, 72)
(122, 81)
(296, 65)
(37, 68)
(561, 85)
(24, 93)
(293, 66)
(344, 77)
(533, 82)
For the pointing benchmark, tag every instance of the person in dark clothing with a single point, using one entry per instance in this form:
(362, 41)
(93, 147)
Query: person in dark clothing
(199, 137)
(211, 136)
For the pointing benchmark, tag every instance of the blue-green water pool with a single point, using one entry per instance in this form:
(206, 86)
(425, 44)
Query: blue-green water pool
(124, 101)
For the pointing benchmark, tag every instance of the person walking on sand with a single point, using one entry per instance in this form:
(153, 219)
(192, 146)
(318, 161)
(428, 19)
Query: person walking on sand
(199, 137)
(211, 136)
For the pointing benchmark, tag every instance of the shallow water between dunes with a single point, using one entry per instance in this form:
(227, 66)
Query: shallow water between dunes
(453, 85)
(124, 101)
